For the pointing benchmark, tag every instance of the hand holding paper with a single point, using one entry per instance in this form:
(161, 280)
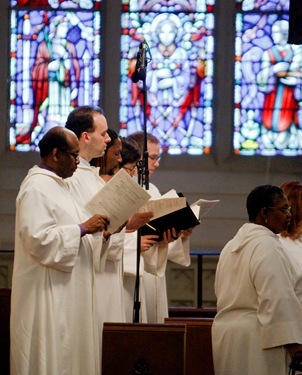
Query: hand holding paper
(119, 199)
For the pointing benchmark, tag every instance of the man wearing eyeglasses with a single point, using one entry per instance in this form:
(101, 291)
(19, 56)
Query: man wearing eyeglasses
(175, 247)
(53, 316)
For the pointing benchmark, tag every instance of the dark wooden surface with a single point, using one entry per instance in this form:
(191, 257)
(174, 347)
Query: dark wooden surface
(4, 330)
(199, 356)
(192, 312)
(144, 349)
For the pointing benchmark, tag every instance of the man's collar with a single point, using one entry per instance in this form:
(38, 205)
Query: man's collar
(84, 162)
(44, 166)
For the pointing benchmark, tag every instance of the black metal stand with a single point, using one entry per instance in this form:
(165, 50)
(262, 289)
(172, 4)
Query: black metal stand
(143, 171)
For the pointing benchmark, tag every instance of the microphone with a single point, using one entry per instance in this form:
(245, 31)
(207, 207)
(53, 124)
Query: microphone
(141, 62)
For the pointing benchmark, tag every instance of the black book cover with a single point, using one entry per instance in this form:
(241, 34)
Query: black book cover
(180, 220)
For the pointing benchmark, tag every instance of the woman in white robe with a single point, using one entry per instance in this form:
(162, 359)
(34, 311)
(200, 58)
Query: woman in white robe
(259, 315)
(291, 238)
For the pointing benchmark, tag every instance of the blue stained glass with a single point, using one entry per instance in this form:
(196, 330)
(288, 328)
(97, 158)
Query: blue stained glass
(54, 67)
(179, 73)
(268, 71)
(264, 5)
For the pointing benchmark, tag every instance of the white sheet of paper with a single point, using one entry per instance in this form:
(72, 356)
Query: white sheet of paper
(170, 194)
(119, 199)
(203, 206)
(163, 206)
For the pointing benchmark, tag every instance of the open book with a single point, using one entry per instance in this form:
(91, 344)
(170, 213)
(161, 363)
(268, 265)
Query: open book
(164, 205)
(181, 219)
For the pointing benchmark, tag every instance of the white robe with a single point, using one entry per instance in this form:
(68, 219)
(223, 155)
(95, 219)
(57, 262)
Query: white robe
(53, 316)
(258, 310)
(294, 252)
(153, 290)
(84, 184)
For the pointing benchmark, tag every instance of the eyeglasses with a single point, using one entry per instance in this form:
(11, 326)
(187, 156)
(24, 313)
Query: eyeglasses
(154, 157)
(130, 169)
(285, 210)
(74, 154)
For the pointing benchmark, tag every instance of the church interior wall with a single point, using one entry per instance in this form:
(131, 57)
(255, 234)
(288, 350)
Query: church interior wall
(219, 175)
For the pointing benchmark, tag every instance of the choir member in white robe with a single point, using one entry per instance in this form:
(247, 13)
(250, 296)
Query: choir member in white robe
(53, 317)
(154, 254)
(153, 263)
(110, 283)
(110, 280)
(291, 238)
(90, 126)
(177, 251)
(259, 318)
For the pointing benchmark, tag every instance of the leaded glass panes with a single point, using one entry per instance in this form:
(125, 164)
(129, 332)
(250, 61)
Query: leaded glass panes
(54, 67)
(179, 75)
(58, 4)
(267, 117)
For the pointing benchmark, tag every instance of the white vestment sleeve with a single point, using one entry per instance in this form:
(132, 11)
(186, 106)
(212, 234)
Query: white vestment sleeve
(155, 260)
(115, 253)
(130, 255)
(100, 250)
(179, 252)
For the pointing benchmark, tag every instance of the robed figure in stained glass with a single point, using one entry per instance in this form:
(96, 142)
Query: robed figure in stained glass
(55, 77)
(174, 81)
(277, 78)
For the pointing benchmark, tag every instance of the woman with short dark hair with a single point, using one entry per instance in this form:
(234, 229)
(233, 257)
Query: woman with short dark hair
(259, 318)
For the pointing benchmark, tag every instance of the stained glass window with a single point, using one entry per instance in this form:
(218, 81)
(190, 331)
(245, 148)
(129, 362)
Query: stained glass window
(179, 74)
(54, 65)
(267, 115)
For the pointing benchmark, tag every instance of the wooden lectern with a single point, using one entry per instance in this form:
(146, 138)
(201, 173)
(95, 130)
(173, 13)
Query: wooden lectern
(143, 349)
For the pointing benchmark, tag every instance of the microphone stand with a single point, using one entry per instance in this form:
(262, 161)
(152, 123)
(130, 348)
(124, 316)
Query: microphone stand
(143, 179)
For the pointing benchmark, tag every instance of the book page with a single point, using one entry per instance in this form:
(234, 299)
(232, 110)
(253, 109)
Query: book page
(203, 206)
(119, 199)
(170, 194)
(163, 206)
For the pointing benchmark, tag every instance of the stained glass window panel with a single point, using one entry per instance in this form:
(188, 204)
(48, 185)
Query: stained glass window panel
(179, 73)
(54, 67)
(57, 4)
(267, 114)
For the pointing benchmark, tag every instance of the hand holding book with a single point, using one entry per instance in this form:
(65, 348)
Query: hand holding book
(182, 219)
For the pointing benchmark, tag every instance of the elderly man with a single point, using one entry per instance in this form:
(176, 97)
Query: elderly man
(53, 318)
